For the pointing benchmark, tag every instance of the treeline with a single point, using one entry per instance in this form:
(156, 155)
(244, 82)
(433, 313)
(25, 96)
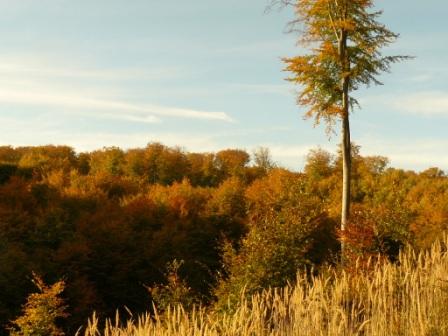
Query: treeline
(123, 228)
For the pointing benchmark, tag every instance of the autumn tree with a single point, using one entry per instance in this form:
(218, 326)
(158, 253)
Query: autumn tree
(262, 159)
(203, 169)
(288, 230)
(163, 164)
(43, 159)
(319, 164)
(108, 160)
(231, 162)
(41, 311)
(345, 41)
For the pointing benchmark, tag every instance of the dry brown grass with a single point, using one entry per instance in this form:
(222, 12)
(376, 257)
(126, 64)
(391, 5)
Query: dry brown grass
(408, 298)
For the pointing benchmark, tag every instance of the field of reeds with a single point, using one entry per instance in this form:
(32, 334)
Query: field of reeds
(408, 297)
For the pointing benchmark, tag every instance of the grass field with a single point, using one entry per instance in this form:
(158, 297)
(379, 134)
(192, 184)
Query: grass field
(409, 297)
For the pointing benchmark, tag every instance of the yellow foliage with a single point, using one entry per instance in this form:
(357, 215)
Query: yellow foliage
(409, 298)
(41, 311)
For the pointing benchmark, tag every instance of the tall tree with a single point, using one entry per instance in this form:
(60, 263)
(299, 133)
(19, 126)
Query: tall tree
(345, 41)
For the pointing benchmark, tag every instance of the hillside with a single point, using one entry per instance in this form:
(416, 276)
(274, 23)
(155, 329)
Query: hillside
(123, 228)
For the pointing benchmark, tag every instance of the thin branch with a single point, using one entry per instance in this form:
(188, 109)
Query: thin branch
(333, 24)
(278, 3)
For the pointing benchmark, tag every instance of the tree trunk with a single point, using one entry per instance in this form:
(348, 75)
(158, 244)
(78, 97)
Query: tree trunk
(346, 144)
(346, 176)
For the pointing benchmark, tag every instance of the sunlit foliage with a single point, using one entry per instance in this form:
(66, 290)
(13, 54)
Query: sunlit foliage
(98, 221)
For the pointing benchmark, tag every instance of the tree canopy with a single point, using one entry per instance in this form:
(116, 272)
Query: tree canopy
(345, 41)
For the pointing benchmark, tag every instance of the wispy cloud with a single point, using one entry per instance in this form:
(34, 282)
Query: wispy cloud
(421, 78)
(411, 153)
(57, 71)
(88, 141)
(52, 67)
(425, 103)
(188, 141)
(277, 89)
(291, 156)
(83, 90)
(279, 47)
(108, 108)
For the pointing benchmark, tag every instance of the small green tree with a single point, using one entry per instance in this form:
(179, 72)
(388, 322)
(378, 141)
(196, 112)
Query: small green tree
(41, 311)
(175, 292)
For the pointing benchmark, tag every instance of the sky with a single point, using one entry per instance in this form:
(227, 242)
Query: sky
(207, 75)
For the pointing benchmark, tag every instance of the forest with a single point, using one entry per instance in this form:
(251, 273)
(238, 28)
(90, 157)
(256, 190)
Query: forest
(125, 228)
(161, 241)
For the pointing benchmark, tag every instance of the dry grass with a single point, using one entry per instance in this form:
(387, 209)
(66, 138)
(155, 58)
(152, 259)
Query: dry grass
(408, 298)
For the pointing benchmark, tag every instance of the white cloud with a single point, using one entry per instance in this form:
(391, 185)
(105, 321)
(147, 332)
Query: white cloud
(278, 89)
(82, 141)
(39, 82)
(110, 108)
(278, 47)
(36, 70)
(290, 151)
(424, 103)
(30, 92)
(422, 78)
(52, 68)
(291, 156)
(412, 154)
(409, 153)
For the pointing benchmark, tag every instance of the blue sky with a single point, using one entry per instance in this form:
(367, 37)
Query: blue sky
(206, 75)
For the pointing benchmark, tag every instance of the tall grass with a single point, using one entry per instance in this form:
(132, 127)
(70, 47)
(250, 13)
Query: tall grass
(409, 297)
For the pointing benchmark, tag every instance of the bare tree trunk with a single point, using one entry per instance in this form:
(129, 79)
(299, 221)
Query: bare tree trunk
(346, 177)
(346, 143)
